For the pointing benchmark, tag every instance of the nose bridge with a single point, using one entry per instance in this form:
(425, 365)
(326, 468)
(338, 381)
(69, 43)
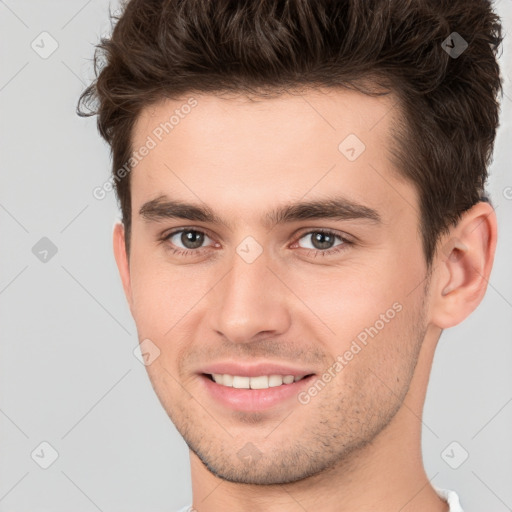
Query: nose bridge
(247, 278)
(250, 299)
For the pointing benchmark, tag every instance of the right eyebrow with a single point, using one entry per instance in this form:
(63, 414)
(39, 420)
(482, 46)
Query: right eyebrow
(162, 208)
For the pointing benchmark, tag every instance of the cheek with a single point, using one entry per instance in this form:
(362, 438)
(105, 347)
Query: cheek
(378, 365)
(165, 296)
(347, 300)
(154, 298)
(365, 313)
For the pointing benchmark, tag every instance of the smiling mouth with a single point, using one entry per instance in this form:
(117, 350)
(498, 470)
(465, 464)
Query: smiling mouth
(258, 382)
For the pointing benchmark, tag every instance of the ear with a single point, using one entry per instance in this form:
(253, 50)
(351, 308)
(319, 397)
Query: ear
(463, 265)
(122, 260)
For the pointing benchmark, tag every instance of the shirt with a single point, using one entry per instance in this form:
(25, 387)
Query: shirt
(449, 496)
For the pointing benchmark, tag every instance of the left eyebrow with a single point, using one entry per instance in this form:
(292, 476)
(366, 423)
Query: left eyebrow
(338, 208)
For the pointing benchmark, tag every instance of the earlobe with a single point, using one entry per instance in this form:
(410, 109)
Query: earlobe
(463, 266)
(120, 255)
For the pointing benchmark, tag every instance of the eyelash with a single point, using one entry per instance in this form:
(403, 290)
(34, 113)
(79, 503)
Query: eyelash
(311, 252)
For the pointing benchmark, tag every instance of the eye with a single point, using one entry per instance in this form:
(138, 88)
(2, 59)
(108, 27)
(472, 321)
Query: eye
(322, 241)
(191, 240)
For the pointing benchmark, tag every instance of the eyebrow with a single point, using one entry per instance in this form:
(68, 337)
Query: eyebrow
(337, 208)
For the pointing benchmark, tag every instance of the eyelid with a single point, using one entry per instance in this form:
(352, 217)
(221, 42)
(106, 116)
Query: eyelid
(345, 238)
(168, 234)
(165, 237)
(300, 234)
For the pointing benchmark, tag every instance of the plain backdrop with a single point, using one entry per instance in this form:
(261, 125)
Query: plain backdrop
(68, 375)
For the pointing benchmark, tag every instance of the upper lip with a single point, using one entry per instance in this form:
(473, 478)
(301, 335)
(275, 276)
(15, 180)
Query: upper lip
(254, 369)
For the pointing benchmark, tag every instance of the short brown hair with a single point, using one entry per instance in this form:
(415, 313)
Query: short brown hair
(448, 103)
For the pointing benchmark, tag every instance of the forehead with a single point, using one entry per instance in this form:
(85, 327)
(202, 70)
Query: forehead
(246, 153)
(300, 115)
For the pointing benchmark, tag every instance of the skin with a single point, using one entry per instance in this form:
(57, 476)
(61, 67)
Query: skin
(356, 446)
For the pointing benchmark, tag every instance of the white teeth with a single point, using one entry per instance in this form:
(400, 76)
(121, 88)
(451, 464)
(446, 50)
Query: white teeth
(227, 380)
(241, 382)
(275, 380)
(259, 382)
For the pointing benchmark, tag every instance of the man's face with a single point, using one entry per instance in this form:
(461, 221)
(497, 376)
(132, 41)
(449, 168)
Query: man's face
(252, 298)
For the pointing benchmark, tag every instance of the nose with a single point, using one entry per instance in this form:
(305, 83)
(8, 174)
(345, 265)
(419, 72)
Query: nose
(250, 302)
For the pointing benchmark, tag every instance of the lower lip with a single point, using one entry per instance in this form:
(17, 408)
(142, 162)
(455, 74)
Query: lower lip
(253, 399)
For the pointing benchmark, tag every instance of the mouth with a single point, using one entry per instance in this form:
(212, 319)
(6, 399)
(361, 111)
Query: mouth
(256, 382)
(255, 393)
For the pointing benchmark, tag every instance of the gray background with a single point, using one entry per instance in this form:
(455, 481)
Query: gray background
(68, 374)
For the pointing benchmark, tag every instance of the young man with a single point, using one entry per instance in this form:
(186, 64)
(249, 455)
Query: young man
(302, 191)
